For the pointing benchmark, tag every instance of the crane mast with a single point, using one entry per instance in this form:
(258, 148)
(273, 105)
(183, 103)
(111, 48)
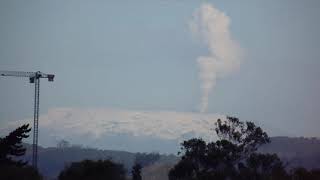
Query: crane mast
(34, 77)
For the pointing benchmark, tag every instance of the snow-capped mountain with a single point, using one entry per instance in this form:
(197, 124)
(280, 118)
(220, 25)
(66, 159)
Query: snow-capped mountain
(123, 129)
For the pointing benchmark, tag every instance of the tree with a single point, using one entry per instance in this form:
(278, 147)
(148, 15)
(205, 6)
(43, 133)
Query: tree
(142, 160)
(87, 170)
(136, 172)
(264, 167)
(303, 174)
(232, 156)
(11, 146)
(12, 172)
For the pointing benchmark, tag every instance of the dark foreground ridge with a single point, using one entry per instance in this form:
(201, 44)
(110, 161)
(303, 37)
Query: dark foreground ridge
(295, 152)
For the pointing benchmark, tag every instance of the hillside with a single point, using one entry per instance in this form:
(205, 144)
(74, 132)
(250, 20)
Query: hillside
(52, 160)
(295, 152)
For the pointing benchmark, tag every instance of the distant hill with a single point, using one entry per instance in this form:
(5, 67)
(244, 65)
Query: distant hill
(52, 160)
(296, 152)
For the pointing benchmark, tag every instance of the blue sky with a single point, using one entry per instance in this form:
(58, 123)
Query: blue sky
(142, 55)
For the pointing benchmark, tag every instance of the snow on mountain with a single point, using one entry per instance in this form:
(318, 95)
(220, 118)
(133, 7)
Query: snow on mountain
(117, 128)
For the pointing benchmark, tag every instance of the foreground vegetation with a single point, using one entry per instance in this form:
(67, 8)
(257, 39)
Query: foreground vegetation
(234, 155)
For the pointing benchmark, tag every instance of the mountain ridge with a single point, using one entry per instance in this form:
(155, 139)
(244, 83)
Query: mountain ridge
(294, 152)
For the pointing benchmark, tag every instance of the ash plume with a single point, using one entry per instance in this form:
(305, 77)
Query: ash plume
(212, 27)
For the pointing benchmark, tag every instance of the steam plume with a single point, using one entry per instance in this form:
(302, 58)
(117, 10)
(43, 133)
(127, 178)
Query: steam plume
(212, 26)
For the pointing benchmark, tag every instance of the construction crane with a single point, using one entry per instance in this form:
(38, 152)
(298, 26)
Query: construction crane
(34, 77)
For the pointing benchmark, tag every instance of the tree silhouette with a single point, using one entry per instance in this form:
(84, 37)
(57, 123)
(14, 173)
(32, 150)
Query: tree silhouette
(303, 174)
(12, 172)
(232, 156)
(136, 172)
(142, 160)
(262, 166)
(10, 146)
(87, 170)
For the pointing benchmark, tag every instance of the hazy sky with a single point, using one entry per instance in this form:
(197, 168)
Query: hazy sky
(142, 55)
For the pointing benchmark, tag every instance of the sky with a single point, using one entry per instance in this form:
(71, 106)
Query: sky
(143, 55)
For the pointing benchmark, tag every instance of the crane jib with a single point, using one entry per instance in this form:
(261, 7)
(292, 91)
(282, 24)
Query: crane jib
(31, 75)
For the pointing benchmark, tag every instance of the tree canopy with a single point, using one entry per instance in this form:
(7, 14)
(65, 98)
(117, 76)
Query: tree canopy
(10, 149)
(88, 169)
(11, 146)
(136, 172)
(232, 156)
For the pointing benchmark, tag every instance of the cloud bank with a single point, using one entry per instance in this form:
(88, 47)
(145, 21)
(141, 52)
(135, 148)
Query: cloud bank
(97, 124)
(212, 26)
